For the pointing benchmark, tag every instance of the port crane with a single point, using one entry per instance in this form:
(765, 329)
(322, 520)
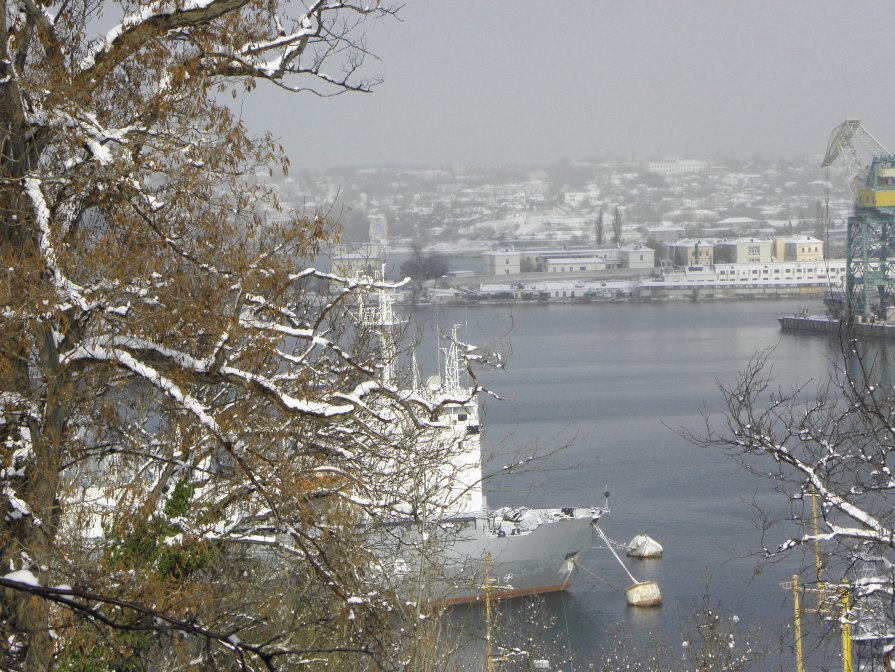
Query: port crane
(870, 272)
(851, 141)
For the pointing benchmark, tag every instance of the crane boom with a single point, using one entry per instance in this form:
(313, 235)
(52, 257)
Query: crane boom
(852, 142)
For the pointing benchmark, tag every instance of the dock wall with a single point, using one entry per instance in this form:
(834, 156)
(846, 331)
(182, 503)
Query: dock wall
(826, 325)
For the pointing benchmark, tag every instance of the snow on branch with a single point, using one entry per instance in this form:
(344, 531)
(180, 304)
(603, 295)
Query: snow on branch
(273, 56)
(151, 375)
(68, 289)
(178, 358)
(116, 350)
(314, 35)
(89, 604)
(190, 12)
(303, 406)
(870, 529)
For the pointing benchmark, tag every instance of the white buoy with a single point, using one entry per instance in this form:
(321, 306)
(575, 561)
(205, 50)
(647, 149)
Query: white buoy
(643, 546)
(644, 594)
(641, 593)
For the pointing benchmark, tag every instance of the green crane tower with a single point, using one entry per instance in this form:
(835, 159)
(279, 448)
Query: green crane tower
(870, 271)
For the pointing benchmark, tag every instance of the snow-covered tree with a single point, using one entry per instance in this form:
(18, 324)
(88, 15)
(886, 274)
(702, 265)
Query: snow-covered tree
(191, 422)
(829, 449)
(710, 642)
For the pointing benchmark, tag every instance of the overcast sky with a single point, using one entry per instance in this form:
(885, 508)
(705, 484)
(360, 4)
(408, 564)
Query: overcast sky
(514, 81)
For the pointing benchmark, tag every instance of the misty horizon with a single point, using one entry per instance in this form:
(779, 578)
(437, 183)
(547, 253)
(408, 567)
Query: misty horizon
(522, 83)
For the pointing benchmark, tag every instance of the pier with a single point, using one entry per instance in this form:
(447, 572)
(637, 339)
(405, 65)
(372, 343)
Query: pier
(828, 325)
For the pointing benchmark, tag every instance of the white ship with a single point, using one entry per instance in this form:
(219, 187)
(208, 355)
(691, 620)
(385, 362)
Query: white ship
(442, 558)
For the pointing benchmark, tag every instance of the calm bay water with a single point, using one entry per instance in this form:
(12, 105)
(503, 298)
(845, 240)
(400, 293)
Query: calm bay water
(614, 380)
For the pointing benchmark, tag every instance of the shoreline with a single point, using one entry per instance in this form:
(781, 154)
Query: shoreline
(614, 296)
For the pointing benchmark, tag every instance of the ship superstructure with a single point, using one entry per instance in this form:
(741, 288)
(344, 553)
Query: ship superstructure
(441, 557)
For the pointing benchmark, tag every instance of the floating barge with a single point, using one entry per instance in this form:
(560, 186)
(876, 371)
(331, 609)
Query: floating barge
(820, 324)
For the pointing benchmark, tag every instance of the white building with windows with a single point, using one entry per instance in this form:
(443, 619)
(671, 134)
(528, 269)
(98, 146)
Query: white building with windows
(677, 167)
(690, 252)
(744, 251)
(826, 274)
(608, 254)
(637, 256)
(505, 261)
(378, 228)
(800, 248)
(830, 272)
(575, 198)
(573, 264)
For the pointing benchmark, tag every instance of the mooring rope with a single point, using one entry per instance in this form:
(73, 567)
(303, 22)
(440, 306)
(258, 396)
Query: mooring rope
(610, 541)
(612, 550)
(596, 576)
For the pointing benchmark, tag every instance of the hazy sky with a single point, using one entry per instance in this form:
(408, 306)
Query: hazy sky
(514, 81)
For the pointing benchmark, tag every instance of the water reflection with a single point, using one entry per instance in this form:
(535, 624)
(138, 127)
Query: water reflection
(615, 378)
(871, 361)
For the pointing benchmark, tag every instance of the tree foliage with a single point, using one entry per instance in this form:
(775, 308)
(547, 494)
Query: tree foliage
(832, 449)
(710, 642)
(617, 225)
(191, 423)
(420, 266)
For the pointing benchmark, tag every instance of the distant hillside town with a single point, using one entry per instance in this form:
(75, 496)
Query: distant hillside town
(606, 227)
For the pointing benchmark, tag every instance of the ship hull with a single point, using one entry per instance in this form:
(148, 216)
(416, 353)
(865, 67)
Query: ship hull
(450, 567)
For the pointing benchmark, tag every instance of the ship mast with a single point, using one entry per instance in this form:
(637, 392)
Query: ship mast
(382, 319)
(451, 383)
